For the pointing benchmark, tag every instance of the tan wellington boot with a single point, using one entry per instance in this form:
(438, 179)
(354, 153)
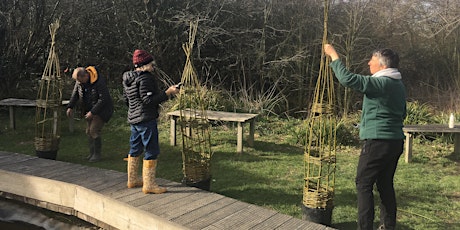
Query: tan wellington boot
(133, 179)
(148, 175)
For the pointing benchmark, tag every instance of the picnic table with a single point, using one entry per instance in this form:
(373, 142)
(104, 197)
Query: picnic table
(409, 130)
(18, 102)
(240, 118)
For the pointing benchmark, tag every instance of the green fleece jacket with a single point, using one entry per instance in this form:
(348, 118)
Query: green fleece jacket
(384, 101)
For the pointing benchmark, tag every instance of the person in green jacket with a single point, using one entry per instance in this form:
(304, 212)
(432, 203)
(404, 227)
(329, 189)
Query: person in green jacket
(383, 113)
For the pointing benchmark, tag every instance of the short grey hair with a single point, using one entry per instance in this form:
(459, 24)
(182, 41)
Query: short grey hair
(387, 57)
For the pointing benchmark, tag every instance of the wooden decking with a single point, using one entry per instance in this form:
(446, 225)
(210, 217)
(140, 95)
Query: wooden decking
(100, 196)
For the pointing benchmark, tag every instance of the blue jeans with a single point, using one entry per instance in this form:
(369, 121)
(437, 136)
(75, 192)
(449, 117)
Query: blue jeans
(377, 165)
(144, 136)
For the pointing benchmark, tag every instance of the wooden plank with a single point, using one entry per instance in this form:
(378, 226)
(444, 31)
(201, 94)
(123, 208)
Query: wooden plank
(185, 206)
(217, 115)
(272, 222)
(113, 182)
(106, 178)
(154, 199)
(204, 211)
(17, 102)
(118, 214)
(29, 166)
(134, 198)
(87, 175)
(432, 128)
(157, 203)
(109, 191)
(54, 171)
(245, 218)
(70, 174)
(409, 130)
(193, 202)
(217, 215)
(240, 118)
(125, 192)
(13, 158)
(23, 102)
(294, 223)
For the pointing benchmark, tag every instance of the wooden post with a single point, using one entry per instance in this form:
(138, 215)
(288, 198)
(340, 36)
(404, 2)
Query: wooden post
(457, 144)
(239, 141)
(408, 145)
(12, 118)
(172, 130)
(55, 122)
(251, 132)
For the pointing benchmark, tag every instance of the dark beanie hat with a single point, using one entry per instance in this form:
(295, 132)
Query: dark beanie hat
(141, 57)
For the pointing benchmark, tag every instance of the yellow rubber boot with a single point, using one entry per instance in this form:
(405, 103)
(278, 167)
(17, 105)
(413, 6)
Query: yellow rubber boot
(133, 178)
(148, 175)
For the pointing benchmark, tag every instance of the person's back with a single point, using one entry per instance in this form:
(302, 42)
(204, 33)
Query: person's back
(384, 101)
(383, 111)
(142, 96)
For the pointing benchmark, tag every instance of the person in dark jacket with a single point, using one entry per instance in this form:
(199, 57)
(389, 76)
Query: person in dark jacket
(143, 98)
(383, 113)
(91, 89)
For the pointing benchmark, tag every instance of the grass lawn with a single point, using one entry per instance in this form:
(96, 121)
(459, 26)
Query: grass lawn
(271, 173)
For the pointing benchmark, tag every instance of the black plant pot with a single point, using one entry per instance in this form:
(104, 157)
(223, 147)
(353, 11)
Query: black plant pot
(317, 215)
(47, 154)
(203, 184)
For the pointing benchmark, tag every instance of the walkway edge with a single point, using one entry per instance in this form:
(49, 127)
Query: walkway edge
(107, 210)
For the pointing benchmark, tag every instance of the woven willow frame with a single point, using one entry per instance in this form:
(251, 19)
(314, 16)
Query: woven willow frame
(49, 99)
(195, 128)
(320, 154)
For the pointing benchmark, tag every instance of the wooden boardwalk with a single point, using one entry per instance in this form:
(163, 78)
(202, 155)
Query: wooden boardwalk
(100, 197)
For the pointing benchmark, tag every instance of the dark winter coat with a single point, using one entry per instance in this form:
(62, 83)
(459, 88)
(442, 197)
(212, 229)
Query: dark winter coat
(142, 96)
(94, 96)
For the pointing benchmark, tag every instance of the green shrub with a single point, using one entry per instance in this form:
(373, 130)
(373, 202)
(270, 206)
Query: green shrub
(348, 130)
(421, 114)
(212, 100)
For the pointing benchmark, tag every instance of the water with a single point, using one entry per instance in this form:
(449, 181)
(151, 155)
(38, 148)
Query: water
(15, 215)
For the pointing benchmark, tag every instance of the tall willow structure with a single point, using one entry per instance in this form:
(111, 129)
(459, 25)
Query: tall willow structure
(320, 155)
(195, 127)
(49, 97)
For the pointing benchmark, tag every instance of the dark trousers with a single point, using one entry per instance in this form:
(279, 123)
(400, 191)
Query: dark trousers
(377, 165)
(94, 126)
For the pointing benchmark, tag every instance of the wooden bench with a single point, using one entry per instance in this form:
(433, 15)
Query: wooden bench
(240, 118)
(17, 102)
(409, 130)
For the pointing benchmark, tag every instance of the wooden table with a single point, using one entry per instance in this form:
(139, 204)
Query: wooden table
(409, 130)
(240, 118)
(17, 102)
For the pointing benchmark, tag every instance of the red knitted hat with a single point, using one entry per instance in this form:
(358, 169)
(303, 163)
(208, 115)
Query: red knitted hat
(141, 57)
